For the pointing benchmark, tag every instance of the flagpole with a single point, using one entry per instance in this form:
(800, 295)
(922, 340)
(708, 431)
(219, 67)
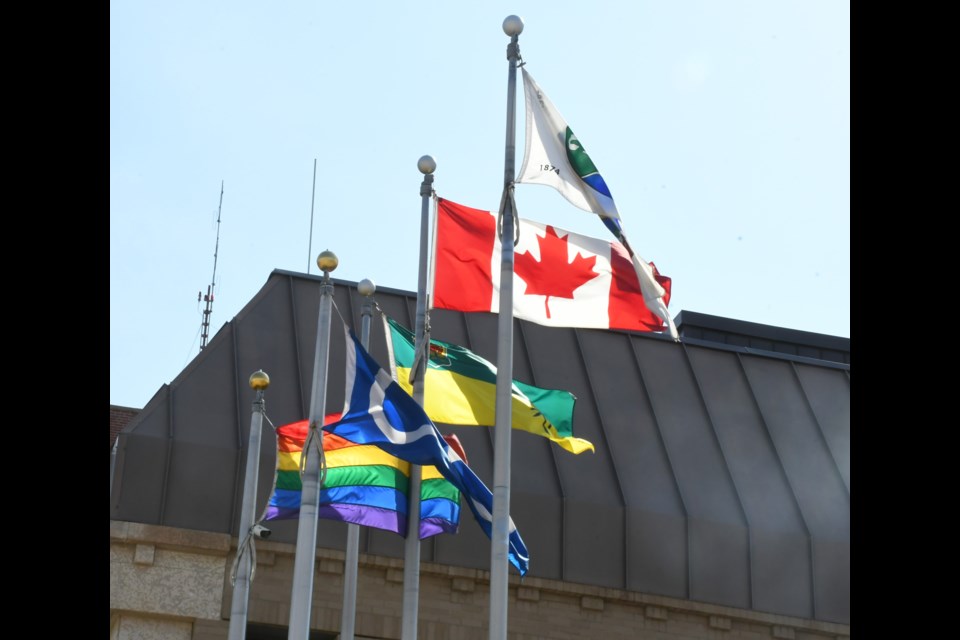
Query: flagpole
(301, 597)
(259, 381)
(499, 569)
(348, 618)
(411, 546)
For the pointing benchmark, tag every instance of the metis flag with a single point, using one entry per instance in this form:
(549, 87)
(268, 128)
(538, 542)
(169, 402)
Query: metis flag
(561, 279)
(377, 411)
(363, 485)
(460, 389)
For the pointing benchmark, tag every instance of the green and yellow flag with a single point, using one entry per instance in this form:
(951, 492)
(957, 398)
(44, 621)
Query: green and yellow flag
(460, 388)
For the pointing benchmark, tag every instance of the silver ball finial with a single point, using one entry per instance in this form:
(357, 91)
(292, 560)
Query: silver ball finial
(513, 25)
(366, 287)
(426, 164)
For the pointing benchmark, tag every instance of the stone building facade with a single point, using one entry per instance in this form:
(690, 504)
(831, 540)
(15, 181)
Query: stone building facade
(173, 584)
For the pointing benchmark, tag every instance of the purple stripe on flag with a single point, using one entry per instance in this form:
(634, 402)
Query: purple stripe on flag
(433, 526)
(367, 516)
(281, 513)
(385, 519)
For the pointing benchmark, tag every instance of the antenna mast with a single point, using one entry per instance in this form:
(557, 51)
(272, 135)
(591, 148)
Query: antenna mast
(312, 194)
(208, 299)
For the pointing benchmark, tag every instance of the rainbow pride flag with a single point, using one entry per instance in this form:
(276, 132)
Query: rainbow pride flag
(363, 485)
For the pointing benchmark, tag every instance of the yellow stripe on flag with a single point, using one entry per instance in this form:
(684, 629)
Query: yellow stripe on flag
(456, 399)
(430, 473)
(357, 456)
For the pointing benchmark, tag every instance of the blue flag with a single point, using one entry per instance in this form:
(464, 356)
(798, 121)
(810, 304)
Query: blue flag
(378, 411)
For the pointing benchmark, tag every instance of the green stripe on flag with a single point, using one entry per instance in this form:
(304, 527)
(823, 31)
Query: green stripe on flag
(371, 476)
(460, 389)
(439, 488)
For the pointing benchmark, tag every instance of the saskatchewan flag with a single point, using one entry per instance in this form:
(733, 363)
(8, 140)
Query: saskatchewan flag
(460, 389)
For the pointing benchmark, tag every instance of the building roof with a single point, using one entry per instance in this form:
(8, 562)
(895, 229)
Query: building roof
(721, 472)
(119, 418)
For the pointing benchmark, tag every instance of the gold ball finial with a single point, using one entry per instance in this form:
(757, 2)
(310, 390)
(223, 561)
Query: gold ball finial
(327, 260)
(259, 380)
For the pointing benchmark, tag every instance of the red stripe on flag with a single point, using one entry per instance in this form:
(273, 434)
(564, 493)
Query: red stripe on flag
(462, 274)
(290, 437)
(294, 430)
(627, 309)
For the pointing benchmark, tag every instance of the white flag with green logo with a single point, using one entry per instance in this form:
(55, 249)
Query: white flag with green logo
(555, 157)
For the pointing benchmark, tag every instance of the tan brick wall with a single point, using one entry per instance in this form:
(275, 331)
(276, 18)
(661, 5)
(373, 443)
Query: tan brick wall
(136, 627)
(165, 580)
(453, 600)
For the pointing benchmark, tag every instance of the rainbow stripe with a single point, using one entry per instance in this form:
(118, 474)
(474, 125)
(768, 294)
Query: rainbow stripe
(363, 485)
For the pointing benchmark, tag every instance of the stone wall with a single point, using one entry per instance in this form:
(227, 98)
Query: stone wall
(168, 583)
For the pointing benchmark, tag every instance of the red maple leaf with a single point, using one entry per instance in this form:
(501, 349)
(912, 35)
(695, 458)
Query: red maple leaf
(552, 275)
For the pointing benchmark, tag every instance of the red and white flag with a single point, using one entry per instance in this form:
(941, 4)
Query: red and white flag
(561, 279)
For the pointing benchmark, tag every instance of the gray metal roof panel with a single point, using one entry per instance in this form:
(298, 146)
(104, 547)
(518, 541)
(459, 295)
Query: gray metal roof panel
(721, 472)
(801, 448)
(750, 456)
(688, 436)
(636, 451)
(828, 392)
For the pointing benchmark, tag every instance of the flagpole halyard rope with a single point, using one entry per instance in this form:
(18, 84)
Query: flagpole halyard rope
(337, 309)
(303, 452)
(323, 464)
(247, 543)
(516, 216)
(508, 193)
(421, 350)
(503, 201)
(313, 440)
(272, 426)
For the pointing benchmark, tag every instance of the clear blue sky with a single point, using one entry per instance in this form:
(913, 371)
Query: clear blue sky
(722, 129)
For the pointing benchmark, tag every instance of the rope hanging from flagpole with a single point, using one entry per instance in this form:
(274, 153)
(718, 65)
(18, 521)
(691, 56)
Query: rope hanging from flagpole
(247, 543)
(313, 439)
(273, 488)
(503, 201)
(272, 426)
(432, 252)
(508, 193)
(513, 207)
(333, 303)
(422, 350)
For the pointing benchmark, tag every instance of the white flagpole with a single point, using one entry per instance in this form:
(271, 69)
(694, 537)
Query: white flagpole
(499, 547)
(411, 547)
(259, 381)
(301, 597)
(350, 565)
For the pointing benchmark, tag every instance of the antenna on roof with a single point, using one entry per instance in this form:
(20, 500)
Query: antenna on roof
(208, 308)
(314, 193)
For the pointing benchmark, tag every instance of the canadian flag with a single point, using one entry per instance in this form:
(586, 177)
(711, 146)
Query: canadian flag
(561, 279)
